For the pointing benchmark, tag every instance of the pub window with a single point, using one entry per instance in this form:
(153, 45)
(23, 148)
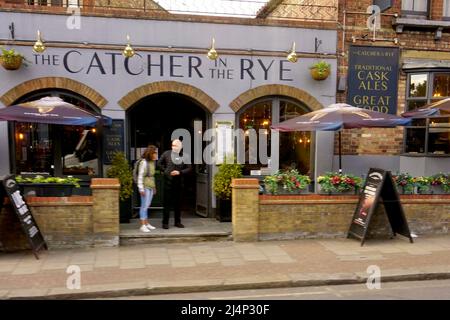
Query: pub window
(56, 149)
(290, 150)
(415, 7)
(427, 136)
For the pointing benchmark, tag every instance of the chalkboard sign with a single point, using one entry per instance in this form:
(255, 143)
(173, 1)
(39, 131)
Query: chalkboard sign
(10, 189)
(113, 140)
(378, 188)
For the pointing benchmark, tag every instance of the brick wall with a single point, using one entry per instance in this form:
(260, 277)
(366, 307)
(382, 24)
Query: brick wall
(68, 222)
(316, 216)
(269, 217)
(389, 141)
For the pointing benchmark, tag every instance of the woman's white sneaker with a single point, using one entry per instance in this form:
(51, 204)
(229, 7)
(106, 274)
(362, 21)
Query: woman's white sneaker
(144, 229)
(150, 227)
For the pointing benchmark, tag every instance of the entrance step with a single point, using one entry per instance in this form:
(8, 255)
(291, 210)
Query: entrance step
(196, 230)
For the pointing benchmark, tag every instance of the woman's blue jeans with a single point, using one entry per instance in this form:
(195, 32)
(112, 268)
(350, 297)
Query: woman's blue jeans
(146, 200)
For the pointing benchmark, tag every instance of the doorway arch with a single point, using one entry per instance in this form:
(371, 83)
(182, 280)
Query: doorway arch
(152, 119)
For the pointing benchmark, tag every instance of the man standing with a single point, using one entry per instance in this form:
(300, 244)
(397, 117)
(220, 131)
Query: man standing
(174, 168)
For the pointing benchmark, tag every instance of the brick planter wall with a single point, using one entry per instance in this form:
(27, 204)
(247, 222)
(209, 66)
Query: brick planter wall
(270, 217)
(69, 222)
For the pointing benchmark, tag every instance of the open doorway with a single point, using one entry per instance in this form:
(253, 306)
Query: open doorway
(152, 121)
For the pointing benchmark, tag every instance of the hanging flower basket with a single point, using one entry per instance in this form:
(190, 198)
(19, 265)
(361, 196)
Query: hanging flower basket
(10, 59)
(11, 63)
(316, 74)
(320, 70)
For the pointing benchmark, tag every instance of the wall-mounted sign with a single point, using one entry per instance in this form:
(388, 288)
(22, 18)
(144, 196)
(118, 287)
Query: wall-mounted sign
(373, 78)
(113, 140)
(378, 189)
(9, 188)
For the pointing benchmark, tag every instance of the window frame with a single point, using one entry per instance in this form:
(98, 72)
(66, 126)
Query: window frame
(415, 13)
(428, 99)
(58, 165)
(275, 102)
(446, 7)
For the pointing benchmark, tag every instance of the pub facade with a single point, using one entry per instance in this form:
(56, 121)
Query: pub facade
(168, 84)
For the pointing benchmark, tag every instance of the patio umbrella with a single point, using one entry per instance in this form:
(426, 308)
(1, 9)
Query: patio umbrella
(340, 116)
(52, 110)
(439, 107)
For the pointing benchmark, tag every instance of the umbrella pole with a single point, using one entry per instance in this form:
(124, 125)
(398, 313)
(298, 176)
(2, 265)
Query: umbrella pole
(340, 152)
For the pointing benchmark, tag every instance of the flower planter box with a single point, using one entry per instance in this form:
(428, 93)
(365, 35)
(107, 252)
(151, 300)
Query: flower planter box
(438, 190)
(283, 191)
(47, 189)
(335, 192)
(402, 190)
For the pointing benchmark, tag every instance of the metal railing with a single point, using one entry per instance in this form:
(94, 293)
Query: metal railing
(301, 10)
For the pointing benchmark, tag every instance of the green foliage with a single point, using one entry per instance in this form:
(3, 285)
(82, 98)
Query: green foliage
(335, 182)
(404, 181)
(41, 179)
(322, 67)
(423, 184)
(10, 55)
(289, 180)
(441, 179)
(120, 169)
(222, 179)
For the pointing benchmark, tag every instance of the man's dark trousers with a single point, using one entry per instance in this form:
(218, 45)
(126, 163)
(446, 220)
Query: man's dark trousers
(172, 198)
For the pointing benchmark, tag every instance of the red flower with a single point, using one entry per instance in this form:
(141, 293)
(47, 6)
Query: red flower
(336, 180)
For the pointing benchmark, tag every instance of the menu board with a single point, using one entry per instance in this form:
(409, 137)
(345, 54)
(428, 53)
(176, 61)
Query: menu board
(11, 190)
(113, 140)
(378, 189)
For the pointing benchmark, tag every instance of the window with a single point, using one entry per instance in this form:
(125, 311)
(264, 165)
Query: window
(427, 136)
(55, 3)
(426, 87)
(415, 7)
(56, 150)
(446, 13)
(286, 150)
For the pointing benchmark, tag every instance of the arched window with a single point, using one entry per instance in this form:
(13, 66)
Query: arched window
(286, 150)
(55, 149)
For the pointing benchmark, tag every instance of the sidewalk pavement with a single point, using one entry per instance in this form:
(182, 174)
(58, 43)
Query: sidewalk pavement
(206, 266)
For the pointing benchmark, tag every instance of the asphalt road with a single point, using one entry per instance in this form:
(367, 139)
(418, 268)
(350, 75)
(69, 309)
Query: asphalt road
(424, 290)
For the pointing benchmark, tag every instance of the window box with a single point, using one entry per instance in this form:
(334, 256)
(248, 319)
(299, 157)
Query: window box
(47, 189)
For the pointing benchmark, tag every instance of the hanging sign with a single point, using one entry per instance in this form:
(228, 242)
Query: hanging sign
(373, 78)
(378, 188)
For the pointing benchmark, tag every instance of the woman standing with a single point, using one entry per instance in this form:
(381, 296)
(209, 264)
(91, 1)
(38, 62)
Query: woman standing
(146, 185)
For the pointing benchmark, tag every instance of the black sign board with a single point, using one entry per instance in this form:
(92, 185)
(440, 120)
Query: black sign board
(113, 140)
(378, 188)
(10, 189)
(373, 78)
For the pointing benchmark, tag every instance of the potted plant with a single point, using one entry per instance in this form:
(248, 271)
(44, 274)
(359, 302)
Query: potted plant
(120, 169)
(339, 183)
(286, 182)
(10, 59)
(404, 183)
(47, 186)
(423, 184)
(440, 183)
(320, 70)
(228, 170)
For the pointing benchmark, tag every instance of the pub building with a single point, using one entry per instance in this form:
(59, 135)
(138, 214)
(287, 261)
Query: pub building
(412, 37)
(170, 83)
